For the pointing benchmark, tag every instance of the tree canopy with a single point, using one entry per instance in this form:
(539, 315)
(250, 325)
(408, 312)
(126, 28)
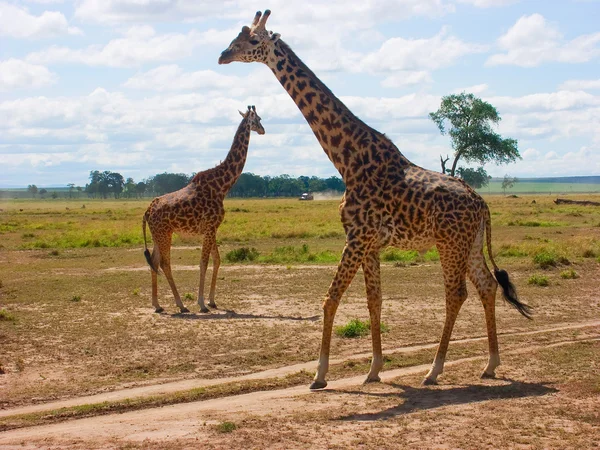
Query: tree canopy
(469, 120)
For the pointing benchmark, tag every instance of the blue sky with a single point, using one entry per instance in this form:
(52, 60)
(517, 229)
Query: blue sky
(133, 86)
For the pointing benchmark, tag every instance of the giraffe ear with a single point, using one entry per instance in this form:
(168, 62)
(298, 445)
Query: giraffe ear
(275, 37)
(241, 113)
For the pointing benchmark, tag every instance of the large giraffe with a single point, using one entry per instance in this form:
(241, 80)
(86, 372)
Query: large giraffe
(197, 209)
(388, 201)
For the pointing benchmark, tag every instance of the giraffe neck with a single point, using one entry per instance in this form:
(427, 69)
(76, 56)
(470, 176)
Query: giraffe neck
(349, 143)
(231, 168)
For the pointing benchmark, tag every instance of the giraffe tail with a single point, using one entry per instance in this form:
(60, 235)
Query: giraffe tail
(508, 289)
(149, 257)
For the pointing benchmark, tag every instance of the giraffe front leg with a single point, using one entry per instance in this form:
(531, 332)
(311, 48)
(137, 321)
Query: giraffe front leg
(371, 268)
(352, 257)
(207, 245)
(213, 283)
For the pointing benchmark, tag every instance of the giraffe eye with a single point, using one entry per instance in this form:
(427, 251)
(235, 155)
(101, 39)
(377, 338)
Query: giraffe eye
(254, 42)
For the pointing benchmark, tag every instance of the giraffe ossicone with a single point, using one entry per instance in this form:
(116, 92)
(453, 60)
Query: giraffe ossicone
(197, 209)
(388, 201)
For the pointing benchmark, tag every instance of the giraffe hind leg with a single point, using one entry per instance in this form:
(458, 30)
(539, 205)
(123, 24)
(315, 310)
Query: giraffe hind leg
(453, 266)
(165, 265)
(213, 284)
(486, 286)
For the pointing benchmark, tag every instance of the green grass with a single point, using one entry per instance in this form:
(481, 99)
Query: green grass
(226, 427)
(357, 328)
(391, 254)
(538, 280)
(569, 274)
(243, 254)
(7, 316)
(298, 254)
(547, 259)
(533, 223)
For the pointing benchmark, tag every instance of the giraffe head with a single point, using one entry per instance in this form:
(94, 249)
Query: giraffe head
(254, 43)
(254, 119)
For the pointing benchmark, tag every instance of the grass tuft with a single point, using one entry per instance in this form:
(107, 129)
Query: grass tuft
(301, 254)
(242, 254)
(225, 427)
(76, 298)
(397, 255)
(569, 274)
(546, 259)
(538, 280)
(7, 316)
(357, 328)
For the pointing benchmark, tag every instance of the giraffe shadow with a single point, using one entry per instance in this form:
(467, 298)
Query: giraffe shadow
(423, 398)
(220, 314)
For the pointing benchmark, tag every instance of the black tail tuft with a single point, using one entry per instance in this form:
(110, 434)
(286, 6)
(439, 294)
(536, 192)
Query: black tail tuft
(149, 260)
(510, 293)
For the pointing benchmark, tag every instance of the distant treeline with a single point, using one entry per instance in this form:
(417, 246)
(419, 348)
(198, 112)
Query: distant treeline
(566, 180)
(109, 184)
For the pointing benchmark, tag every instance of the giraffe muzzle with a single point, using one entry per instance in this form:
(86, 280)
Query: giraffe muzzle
(225, 57)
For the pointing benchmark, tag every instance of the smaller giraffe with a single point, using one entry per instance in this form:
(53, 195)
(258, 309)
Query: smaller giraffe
(197, 209)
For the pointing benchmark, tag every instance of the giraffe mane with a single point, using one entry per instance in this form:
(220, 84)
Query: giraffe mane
(323, 87)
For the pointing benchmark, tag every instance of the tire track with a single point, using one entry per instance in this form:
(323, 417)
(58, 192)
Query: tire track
(183, 385)
(184, 420)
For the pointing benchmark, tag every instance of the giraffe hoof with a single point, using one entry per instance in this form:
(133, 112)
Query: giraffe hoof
(374, 379)
(318, 385)
(159, 310)
(429, 382)
(212, 305)
(184, 310)
(204, 310)
(486, 375)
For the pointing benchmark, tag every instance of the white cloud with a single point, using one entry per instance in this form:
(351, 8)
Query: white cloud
(18, 74)
(532, 41)
(407, 78)
(576, 85)
(140, 45)
(308, 11)
(433, 53)
(488, 3)
(174, 78)
(475, 89)
(531, 154)
(18, 23)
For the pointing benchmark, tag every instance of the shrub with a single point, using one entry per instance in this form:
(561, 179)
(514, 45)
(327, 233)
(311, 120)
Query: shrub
(538, 280)
(242, 254)
(569, 274)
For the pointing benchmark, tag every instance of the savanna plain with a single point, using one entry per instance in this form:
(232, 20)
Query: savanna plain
(86, 363)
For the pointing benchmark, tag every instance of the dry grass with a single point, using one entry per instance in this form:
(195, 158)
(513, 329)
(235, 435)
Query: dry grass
(81, 321)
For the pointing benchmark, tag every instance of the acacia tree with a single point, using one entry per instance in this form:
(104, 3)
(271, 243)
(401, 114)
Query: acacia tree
(473, 139)
(476, 178)
(32, 189)
(508, 182)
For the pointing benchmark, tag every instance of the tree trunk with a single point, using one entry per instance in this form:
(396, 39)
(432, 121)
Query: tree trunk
(453, 170)
(444, 161)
